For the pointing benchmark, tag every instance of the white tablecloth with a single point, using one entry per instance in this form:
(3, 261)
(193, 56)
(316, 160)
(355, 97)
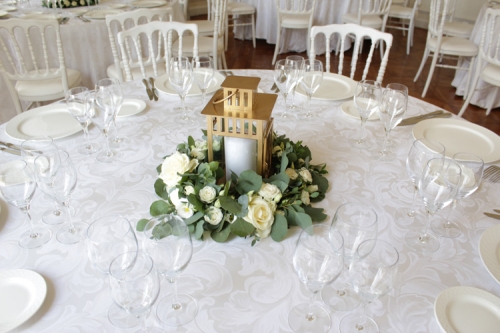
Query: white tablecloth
(241, 288)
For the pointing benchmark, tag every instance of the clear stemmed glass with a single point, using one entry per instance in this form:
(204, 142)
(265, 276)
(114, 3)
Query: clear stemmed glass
(300, 61)
(102, 116)
(372, 274)
(181, 78)
(356, 223)
(59, 181)
(285, 77)
(168, 242)
(472, 173)
(404, 90)
(17, 188)
(421, 151)
(318, 260)
(114, 88)
(203, 72)
(77, 102)
(391, 111)
(437, 186)
(135, 287)
(312, 76)
(367, 99)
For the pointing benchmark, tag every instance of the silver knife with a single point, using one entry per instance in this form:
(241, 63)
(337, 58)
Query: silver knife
(10, 151)
(10, 145)
(148, 90)
(495, 216)
(414, 120)
(153, 89)
(496, 210)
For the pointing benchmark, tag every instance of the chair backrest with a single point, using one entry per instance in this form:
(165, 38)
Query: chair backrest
(151, 34)
(359, 33)
(185, 6)
(489, 47)
(437, 18)
(374, 8)
(123, 21)
(302, 7)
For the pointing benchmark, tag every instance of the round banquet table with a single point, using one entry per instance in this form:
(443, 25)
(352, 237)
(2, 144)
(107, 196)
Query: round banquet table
(241, 288)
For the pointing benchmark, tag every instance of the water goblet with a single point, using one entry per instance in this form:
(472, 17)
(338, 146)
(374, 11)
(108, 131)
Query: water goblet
(312, 76)
(17, 188)
(372, 273)
(77, 102)
(318, 260)
(421, 151)
(168, 242)
(437, 186)
(367, 98)
(472, 173)
(102, 116)
(356, 223)
(135, 288)
(404, 90)
(203, 72)
(300, 61)
(181, 78)
(285, 76)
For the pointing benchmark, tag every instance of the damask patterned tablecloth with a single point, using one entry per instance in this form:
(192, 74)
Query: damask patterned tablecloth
(241, 288)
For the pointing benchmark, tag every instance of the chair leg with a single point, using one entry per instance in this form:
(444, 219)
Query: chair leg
(223, 57)
(422, 64)
(431, 72)
(253, 31)
(277, 48)
(469, 76)
(492, 101)
(470, 93)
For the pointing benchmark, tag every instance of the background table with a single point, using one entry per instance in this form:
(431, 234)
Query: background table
(241, 288)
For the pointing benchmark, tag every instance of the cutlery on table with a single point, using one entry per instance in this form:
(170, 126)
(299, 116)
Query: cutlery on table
(83, 18)
(9, 145)
(148, 90)
(495, 216)
(10, 151)
(153, 89)
(64, 20)
(414, 120)
(492, 174)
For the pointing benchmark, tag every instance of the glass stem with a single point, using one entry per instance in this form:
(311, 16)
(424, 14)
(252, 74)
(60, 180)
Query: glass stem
(423, 236)
(310, 314)
(362, 318)
(175, 302)
(362, 132)
(183, 103)
(285, 114)
(447, 222)
(411, 212)
(108, 151)
(26, 211)
(143, 319)
(86, 134)
(344, 278)
(308, 114)
(385, 143)
(71, 226)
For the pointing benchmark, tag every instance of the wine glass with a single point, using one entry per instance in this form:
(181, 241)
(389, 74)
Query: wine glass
(472, 173)
(168, 242)
(285, 76)
(59, 181)
(114, 88)
(437, 186)
(318, 260)
(312, 76)
(102, 116)
(356, 223)
(391, 111)
(181, 78)
(77, 102)
(300, 61)
(404, 90)
(421, 151)
(203, 72)
(372, 273)
(367, 98)
(135, 288)
(17, 188)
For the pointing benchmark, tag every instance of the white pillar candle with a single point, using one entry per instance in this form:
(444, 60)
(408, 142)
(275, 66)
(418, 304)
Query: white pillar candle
(240, 155)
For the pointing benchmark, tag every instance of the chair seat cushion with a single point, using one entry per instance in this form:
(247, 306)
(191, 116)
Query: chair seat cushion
(239, 8)
(205, 27)
(295, 21)
(47, 88)
(491, 74)
(136, 71)
(400, 12)
(205, 45)
(458, 29)
(372, 21)
(455, 46)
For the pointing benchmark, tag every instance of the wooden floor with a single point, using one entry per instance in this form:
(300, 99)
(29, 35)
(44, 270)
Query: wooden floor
(402, 69)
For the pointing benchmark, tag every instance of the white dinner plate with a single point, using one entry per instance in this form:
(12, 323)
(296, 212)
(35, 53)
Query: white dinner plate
(116, 5)
(163, 84)
(3, 13)
(22, 292)
(41, 16)
(148, 3)
(467, 310)
(78, 10)
(131, 107)
(350, 109)
(8, 8)
(334, 87)
(460, 136)
(100, 14)
(489, 249)
(53, 120)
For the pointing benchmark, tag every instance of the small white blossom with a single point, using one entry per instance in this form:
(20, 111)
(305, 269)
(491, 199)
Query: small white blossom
(270, 192)
(301, 161)
(213, 215)
(198, 153)
(277, 151)
(189, 190)
(216, 145)
(291, 173)
(312, 188)
(201, 144)
(184, 210)
(208, 194)
(306, 175)
(74, 3)
(304, 197)
(217, 203)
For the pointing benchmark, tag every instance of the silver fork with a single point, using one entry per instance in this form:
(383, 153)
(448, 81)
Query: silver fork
(492, 174)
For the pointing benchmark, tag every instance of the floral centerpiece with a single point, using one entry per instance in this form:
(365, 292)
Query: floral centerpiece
(245, 206)
(68, 3)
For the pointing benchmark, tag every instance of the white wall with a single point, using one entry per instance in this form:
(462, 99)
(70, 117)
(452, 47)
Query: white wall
(466, 10)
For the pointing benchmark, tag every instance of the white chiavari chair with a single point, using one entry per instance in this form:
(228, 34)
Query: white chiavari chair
(237, 15)
(402, 17)
(455, 28)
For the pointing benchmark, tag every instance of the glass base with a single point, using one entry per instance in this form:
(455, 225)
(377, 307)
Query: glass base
(173, 316)
(89, 149)
(359, 144)
(405, 216)
(184, 118)
(294, 107)
(150, 330)
(358, 323)
(35, 238)
(107, 157)
(307, 318)
(119, 142)
(309, 115)
(286, 116)
(341, 298)
(72, 234)
(121, 318)
(385, 156)
(445, 228)
(54, 216)
(422, 243)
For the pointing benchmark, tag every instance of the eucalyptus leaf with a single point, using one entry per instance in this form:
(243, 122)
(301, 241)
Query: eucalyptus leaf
(161, 189)
(280, 228)
(292, 157)
(198, 234)
(197, 204)
(243, 201)
(222, 235)
(196, 216)
(141, 224)
(161, 231)
(214, 165)
(304, 220)
(321, 181)
(248, 181)
(191, 141)
(316, 214)
(161, 207)
(284, 163)
(242, 228)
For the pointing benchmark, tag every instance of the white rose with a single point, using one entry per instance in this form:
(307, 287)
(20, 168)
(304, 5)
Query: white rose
(312, 188)
(291, 173)
(82, 2)
(261, 215)
(184, 210)
(270, 192)
(174, 166)
(198, 153)
(208, 194)
(216, 145)
(66, 3)
(213, 215)
(189, 190)
(201, 144)
(306, 175)
(304, 197)
(73, 3)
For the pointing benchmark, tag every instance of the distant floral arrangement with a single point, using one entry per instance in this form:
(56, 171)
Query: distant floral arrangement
(245, 206)
(68, 3)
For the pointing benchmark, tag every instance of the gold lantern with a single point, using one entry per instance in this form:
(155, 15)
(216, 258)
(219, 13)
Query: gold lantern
(242, 116)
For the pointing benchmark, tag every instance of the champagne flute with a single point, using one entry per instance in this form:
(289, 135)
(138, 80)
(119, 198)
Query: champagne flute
(421, 151)
(472, 173)
(135, 288)
(17, 188)
(312, 76)
(367, 98)
(168, 242)
(102, 116)
(372, 273)
(300, 61)
(77, 102)
(404, 90)
(285, 76)
(356, 223)
(437, 186)
(181, 78)
(203, 73)
(318, 260)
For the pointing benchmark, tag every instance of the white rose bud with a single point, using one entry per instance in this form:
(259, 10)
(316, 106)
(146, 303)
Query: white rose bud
(301, 161)
(230, 218)
(291, 173)
(208, 194)
(201, 144)
(189, 190)
(312, 188)
(184, 210)
(304, 197)
(306, 175)
(270, 192)
(198, 153)
(216, 145)
(174, 165)
(213, 215)
(217, 203)
(278, 151)
(261, 215)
